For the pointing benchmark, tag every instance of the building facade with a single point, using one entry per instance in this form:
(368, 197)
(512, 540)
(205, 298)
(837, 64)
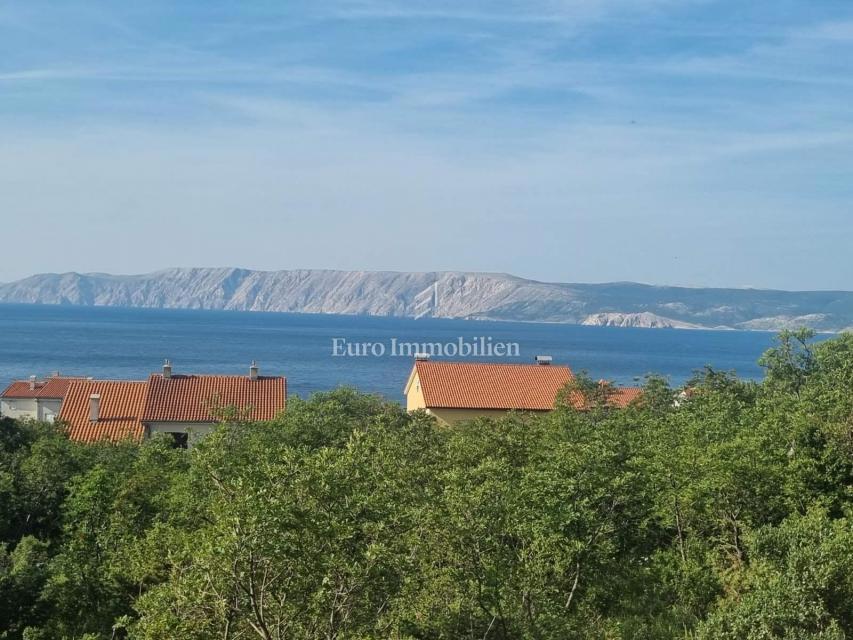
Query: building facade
(187, 407)
(184, 407)
(458, 391)
(35, 399)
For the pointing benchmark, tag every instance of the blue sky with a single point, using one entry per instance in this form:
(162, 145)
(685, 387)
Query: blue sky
(695, 142)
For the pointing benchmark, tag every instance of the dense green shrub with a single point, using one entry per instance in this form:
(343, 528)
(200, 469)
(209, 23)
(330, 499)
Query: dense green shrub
(722, 513)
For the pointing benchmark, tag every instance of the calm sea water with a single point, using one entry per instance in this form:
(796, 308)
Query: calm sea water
(131, 343)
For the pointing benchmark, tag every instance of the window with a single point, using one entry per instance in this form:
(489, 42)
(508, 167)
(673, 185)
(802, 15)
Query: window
(179, 439)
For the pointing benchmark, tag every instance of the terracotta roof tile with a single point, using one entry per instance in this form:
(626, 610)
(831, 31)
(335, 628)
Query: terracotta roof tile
(473, 385)
(189, 398)
(120, 411)
(623, 396)
(54, 387)
(617, 397)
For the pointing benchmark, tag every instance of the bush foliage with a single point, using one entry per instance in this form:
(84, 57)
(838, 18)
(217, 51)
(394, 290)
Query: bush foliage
(724, 512)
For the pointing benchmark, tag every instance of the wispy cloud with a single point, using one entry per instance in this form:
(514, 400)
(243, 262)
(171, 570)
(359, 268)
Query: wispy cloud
(573, 131)
(25, 75)
(529, 11)
(812, 55)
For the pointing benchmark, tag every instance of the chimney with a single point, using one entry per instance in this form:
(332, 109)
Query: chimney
(32, 383)
(544, 360)
(253, 371)
(167, 370)
(422, 357)
(94, 407)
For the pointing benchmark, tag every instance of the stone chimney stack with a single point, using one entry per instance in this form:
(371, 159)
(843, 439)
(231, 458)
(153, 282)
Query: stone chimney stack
(167, 370)
(94, 407)
(32, 383)
(253, 371)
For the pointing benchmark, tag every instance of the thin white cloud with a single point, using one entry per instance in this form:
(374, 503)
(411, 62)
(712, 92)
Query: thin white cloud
(801, 55)
(266, 150)
(527, 11)
(838, 30)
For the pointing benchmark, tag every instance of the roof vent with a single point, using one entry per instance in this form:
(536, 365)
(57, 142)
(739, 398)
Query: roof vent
(544, 360)
(253, 371)
(167, 369)
(422, 356)
(94, 407)
(32, 383)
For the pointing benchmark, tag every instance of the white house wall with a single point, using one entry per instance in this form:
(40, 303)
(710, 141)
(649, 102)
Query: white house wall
(48, 409)
(196, 430)
(45, 409)
(19, 408)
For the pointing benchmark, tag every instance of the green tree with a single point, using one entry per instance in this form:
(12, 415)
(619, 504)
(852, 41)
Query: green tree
(800, 584)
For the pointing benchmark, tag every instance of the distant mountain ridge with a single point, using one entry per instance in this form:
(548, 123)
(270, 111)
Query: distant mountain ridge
(447, 294)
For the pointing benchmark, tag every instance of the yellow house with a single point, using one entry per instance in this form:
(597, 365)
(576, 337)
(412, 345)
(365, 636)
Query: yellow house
(454, 391)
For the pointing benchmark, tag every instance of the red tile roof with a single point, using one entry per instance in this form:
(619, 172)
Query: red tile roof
(54, 388)
(473, 385)
(120, 411)
(617, 397)
(190, 398)
(623, 396)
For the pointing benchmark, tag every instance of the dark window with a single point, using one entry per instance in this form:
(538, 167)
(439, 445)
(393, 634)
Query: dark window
(180, 440)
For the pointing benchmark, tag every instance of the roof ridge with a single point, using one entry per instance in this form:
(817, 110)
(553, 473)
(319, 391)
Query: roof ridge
(108, 380)
(212, 375)
(492, 364)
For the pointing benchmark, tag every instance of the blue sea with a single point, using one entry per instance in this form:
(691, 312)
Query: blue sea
(118, 343)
